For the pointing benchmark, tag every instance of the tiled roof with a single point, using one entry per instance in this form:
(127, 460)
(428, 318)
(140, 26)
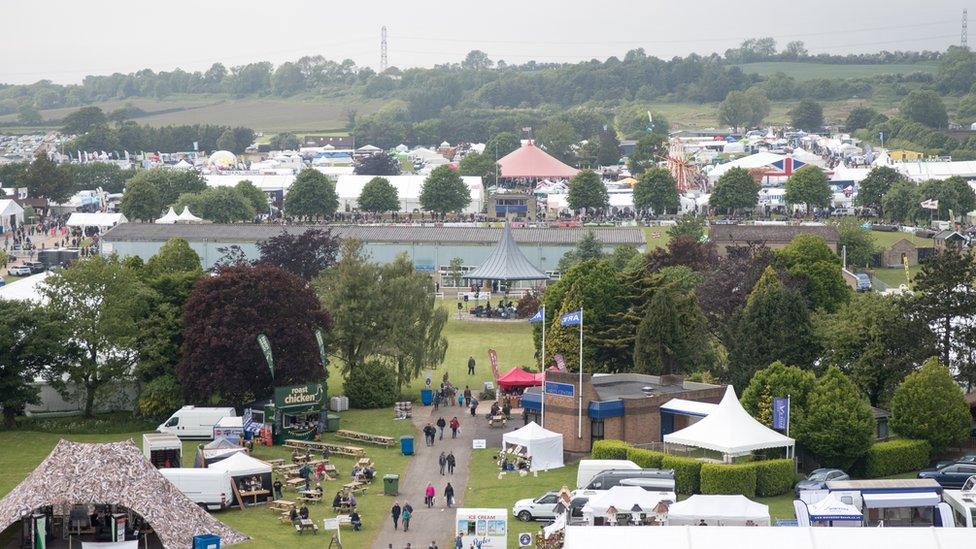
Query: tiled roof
(241, 232)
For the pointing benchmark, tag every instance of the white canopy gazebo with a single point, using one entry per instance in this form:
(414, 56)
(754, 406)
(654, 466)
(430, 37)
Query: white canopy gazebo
(624, 499)
(545, 447)
(187, 217)
(717, 510)
(731, 431)
(168, 218)
(831, 509)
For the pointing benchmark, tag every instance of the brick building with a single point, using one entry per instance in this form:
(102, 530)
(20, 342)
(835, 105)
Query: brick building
(636, 408)
(899, 253)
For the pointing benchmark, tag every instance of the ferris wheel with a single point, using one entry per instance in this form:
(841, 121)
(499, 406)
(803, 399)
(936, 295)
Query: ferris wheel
(682, 168)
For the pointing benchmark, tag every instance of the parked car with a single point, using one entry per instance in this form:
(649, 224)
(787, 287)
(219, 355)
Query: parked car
(19, 270)
(606, 480)
(863, 282)
(540, 508)
(969, 457)
(950, 476)
(818, 478)
(35, 267)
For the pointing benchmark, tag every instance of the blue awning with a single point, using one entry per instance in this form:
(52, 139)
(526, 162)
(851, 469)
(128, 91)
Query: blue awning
(532, 401)
(605, 408)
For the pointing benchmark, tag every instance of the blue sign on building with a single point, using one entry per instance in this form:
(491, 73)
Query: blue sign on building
(560, 389)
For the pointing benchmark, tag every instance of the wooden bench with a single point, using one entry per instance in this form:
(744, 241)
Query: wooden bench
(295, 482)
(281, 505)
(306, 524)
(355, 487)
(276, 462)
(365, 437)
(497, 421)
(318, 446)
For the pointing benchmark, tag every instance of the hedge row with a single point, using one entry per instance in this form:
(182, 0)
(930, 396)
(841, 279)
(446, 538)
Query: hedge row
(895, 456)
(648, 459)
(610, 449)
(755, 478)
(738, 478)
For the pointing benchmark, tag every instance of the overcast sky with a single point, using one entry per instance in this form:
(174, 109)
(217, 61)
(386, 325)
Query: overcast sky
(64, 40)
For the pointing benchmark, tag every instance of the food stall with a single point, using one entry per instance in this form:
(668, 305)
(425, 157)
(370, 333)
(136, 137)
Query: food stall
(484, 528)
(295, 412)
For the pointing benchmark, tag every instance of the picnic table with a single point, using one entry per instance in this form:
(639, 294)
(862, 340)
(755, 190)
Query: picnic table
(343, 507)
(311, 496)
(365, 437)
(318, 446)
(287, 470)
(344, 520)
(282, 505)
(254, 494)
(364, 463)
(355, 487)
(295, 482)
(277, 462)
(331, 472)
(305, 524)
(497, 421)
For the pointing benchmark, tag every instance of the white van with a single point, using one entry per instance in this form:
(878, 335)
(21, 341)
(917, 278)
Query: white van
(588, 468)
(194, 422)
(208, 488)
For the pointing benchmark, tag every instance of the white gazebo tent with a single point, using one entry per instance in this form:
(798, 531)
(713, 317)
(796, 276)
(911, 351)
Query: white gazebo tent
(168, 218)
(832, 510)
(623, 499)
(542, 445)
(731, 431)
(242, 468)
(102, 220)
(735, 510)
(187, 217)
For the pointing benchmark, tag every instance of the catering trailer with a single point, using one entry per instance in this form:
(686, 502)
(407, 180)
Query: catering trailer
(296, 412)
(163, 449)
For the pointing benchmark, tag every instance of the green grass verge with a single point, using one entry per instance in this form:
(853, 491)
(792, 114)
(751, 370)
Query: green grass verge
(885, 239)
(24, 450)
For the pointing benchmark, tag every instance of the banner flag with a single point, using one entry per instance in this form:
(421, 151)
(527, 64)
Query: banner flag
(266, 347)
(574, 318)
(537, 317)
(781, 413)
(493, 358)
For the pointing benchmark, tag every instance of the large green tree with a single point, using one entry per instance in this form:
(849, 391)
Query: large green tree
(838, 426)
(28, 347)
(656, 191)
(218, 204)
(478, 165)
(311, 196)
(807, 115)
(285, 141)
(901, 201)
(253, 195)
(929, 405)
(954, 195)
(649, 149)
(608, 148)
(379, 195)
(734, 190)
(142, 200)
(45, 179)
(873, 188)
(588, 247)
(857, 241)
(957, 70)
(809, 258)
(774, 325)
(444, 191)
(874, 342)
(99, 301)
(83, 120)
(500, 145)
(673, 336)
(944, 291)
(586, 190)
(744, 108)
(777, 381)
(924, 107)
(859, 117)
(558, 137)
(808, 186)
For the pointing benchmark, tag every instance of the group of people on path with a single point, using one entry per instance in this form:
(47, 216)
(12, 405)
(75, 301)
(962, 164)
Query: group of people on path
(447, 460)
(431, 432)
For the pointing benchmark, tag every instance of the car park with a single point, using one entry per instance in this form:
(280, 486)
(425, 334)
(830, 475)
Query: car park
(818, 479)
(19, 270)
(950, 476)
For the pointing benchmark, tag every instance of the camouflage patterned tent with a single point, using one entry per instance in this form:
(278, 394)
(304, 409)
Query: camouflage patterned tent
(114, 473)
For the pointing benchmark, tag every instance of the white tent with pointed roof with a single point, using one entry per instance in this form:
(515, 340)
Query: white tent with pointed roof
(545, 447)
(114, 473)
(730, 430)
(168, 218)
(506, 262)
(187, 217)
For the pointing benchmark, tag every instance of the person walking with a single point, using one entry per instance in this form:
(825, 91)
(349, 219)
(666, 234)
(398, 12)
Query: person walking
(451, 462)
(405, 516)
(459, 541)
(429, 432)
(442, 461)
(474, 407)
(449, 494)
(429, 495)
(455, 425)
(441, 424)
(467, 396)
(470, 365)
(395, 513)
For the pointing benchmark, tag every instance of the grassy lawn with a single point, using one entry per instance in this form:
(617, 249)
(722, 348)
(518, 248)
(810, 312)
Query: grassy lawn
(258, 523)
(894, 277)
(885, 239)
(657, 237)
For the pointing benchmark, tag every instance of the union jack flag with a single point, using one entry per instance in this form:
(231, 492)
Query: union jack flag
(787, 166)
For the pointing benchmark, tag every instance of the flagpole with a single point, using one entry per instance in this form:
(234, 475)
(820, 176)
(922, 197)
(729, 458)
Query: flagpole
(579, 427)
(543, 419)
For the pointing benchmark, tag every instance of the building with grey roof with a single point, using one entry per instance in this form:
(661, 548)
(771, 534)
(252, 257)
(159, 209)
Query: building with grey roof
(431, 248)
(772, 236)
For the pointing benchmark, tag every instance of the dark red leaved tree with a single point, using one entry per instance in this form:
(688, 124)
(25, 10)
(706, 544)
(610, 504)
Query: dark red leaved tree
(221, 321)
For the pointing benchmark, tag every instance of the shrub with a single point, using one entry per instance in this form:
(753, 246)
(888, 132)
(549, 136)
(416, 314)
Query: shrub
(686, 473)
(160, 397)
(895, 456)
(774, 477)
(371, 385)
(648, 459)
(739, 478)
(610, 449)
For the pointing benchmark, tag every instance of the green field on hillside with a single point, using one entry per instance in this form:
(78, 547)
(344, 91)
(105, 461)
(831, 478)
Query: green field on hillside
(267, 115)
(810, 71)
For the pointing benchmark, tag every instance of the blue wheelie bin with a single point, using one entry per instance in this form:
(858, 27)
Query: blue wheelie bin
(427, 396)
(406, 445)
(206, 541)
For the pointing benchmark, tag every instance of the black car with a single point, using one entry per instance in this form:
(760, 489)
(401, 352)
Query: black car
(819, 478)
(35, 267)
(951, 476)
(965, 458)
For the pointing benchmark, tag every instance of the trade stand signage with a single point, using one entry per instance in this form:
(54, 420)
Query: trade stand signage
(555, 388)
(299, 398)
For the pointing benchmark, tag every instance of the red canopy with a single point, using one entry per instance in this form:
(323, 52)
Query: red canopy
(532, 162)
(517, 377)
